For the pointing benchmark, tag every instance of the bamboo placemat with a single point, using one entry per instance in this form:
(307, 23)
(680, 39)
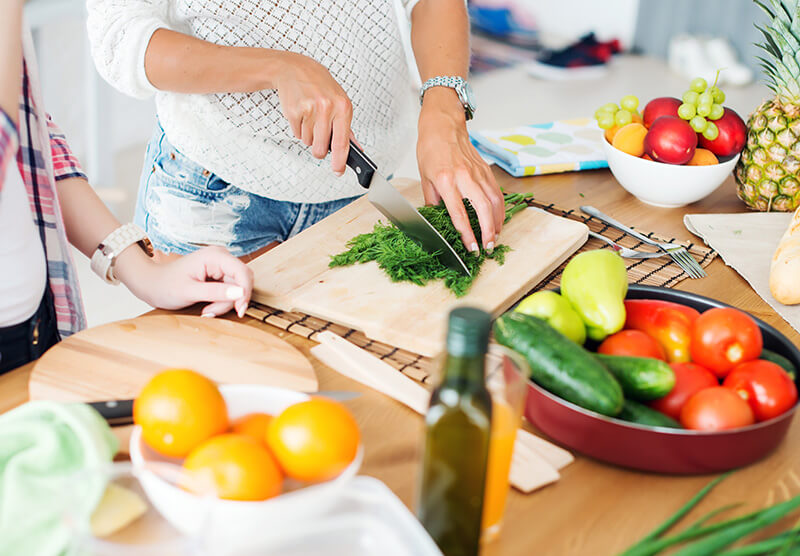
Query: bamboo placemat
(652, 272)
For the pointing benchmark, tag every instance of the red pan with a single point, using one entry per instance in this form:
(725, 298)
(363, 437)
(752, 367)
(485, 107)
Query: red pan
(662, 450)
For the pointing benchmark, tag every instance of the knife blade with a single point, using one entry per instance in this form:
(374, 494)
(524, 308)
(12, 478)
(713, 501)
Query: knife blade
(120, 412)
(396, 208)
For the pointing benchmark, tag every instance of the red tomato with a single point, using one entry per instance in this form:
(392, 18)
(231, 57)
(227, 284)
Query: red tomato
(765, 386)
(689, 379)
(633, 343)
(715, 409)
(724, 337)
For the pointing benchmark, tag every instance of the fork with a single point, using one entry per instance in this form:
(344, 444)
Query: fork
(624, 251)
(677, 253)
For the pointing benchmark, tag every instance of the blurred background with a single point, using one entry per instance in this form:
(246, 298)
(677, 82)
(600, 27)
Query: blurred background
(534, 61)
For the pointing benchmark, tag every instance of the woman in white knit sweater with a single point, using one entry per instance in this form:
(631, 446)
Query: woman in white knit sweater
(251, 94)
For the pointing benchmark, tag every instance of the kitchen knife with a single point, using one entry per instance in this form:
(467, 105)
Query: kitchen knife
(120, 412)
(396, 208)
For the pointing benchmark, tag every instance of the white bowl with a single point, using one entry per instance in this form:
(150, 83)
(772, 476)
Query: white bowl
(665, 185)
(230, 521)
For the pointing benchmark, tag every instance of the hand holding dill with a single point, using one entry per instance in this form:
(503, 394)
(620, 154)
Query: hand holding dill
(404, 260)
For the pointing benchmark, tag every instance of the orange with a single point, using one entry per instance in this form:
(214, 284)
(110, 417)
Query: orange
(637, 118)
(702, 157)
(177, 410)
(314, 440)
(630, 139)
(237, 466)
(253, 425)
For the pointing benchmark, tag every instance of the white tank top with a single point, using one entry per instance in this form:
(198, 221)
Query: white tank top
(23, 270)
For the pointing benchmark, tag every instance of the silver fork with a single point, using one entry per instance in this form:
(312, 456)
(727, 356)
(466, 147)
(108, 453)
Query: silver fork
(677, 253)
(624, 251)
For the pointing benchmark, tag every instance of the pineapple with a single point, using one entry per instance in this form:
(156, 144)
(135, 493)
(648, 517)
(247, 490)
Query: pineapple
(768, 172)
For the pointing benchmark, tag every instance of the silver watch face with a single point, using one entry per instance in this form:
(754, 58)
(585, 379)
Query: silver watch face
(467, 97)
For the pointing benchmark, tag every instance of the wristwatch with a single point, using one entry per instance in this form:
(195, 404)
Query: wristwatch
(461, 87)
(105, 256)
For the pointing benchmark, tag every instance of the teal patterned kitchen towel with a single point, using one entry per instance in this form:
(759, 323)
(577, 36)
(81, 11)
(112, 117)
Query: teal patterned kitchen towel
(530, 150)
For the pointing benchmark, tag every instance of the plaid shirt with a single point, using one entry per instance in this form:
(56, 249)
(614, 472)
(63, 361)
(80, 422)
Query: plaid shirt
(40, 150)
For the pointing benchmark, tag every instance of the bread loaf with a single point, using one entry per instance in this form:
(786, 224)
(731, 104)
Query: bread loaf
(784, 272)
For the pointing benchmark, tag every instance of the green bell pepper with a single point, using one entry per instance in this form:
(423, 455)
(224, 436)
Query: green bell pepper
(557, 311)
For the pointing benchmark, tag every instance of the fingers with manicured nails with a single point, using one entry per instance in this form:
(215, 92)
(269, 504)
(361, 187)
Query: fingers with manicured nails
(430, 194)
(455, 207)
(340, 142)
(216, 309)
(495, 196)
(483, 207)
(307, 128)
(322, 128)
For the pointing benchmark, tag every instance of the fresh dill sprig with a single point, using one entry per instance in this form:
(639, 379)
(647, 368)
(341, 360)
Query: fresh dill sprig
(404, 260)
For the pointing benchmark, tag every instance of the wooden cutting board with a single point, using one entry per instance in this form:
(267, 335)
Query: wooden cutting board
(114, 361)
(295, 276)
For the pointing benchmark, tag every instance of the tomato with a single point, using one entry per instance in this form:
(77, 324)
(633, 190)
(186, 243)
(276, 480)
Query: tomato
(689, 379)
(723, 338)
(715, 409)
(633, 343)
(765, 386)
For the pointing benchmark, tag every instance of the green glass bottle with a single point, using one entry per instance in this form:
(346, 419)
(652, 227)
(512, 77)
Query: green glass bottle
(458, 422)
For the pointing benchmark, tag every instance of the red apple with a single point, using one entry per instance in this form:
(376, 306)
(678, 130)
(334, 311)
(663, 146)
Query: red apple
(671, 140)
(661, 106)
(732, 136)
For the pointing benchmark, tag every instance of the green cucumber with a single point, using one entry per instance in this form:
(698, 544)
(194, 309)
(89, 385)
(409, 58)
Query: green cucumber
(559, 365)
(641, 378)
(780, 360)
(635, 412)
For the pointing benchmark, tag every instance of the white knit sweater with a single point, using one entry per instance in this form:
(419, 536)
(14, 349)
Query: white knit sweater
(243, 137)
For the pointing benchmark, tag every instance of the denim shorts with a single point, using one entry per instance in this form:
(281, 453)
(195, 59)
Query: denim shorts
(183, 207)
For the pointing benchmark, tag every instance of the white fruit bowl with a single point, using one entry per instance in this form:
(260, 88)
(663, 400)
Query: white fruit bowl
(230, 522)
(665, 185)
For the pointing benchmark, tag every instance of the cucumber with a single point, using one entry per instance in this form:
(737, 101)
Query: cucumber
(635, 412)
(641, 378)
(779, 359)
(560, 365)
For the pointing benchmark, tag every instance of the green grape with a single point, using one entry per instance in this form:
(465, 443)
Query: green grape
(711, 132)
(686, 111)
(610, 107)
(716, 112)
(629, 103)
(606, 121)
(704, 109)
(690, 97)
(698, 85)
(719, 96)
(698, 124)
(623, 117)
(705, 98)
(599, 113)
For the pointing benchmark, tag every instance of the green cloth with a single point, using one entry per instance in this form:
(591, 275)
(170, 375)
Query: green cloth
(43, 444)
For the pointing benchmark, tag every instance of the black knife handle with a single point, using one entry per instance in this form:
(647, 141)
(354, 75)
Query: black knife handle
(116, 412)
(361, 165)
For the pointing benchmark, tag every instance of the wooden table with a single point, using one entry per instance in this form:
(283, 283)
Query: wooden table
(595, 509)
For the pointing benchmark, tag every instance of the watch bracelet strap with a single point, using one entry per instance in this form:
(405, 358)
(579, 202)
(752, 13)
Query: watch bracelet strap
(110, 248)
(451, 81)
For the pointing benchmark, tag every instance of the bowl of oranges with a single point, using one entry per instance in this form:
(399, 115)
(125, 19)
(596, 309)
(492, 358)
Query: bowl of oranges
(250, 455)
(676, 151)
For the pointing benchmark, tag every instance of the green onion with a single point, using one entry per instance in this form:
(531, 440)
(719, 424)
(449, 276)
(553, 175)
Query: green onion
(713, 543)
(767, 546)
(641, 548)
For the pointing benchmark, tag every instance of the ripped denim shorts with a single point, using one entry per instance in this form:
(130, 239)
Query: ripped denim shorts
(183, 207)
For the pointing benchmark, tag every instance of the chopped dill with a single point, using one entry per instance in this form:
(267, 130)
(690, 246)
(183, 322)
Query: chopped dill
(404, 260)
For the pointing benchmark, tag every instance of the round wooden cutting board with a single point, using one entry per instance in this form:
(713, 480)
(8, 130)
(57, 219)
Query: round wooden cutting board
(114, 361)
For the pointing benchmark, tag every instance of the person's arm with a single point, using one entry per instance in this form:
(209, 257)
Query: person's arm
(10, 57)
(10, 81)
(450, 167)
(210, 274)
(136, 51)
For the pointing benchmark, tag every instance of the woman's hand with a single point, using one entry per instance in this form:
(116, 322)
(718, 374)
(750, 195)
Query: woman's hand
(210, 274)
(452, 170)
(316, 106)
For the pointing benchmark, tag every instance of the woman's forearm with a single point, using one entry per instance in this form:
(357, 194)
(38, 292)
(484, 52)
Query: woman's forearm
(10, 56)
(184, 64)
(86, 219)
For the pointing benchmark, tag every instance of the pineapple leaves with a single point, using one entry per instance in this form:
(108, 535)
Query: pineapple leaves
(770, 45)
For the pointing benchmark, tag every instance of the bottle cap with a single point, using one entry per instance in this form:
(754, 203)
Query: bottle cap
(468, 332)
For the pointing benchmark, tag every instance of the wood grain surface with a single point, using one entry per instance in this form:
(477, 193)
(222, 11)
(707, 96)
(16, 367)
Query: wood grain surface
(114, 361)
(295, 276)
(595, 509)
